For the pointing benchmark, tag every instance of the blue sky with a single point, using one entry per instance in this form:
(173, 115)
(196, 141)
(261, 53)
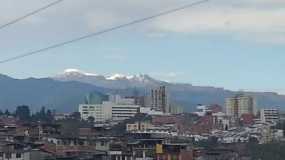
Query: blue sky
(223, 43)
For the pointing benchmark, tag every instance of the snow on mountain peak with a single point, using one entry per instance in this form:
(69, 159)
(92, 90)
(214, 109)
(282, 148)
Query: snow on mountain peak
(139, 77)
(106, 81)
(72, 71)
(117, 77)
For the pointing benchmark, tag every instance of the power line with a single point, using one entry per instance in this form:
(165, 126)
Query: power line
(102, 32)
(30, 14)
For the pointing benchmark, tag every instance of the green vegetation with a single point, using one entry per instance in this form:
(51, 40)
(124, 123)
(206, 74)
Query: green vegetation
(271, 151)
(70, 127)
(23, 113)
(43, 115)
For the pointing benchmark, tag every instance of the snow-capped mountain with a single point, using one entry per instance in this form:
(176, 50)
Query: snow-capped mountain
(76, 72)
(115, 81)
(66, 94)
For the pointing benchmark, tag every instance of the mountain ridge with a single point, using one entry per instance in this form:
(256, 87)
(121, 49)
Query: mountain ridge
(116, 81)
(65, 95)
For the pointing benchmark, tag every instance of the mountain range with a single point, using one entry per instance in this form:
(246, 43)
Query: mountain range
(65, 91)
(116, 81)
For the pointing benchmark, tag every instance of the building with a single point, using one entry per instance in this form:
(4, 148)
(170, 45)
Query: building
(247, 119)
(123, 108)
(221, 121)
(122, 112)
(150, 111)
(100, 112)
(138, 126)
(170, 151)
(175, 109)
(139, 100)
(159, 99)
(116, 109)
(240, 104)
(219, 154)
(18, 151)
(202, 110)
(269, 115)
(117, 99)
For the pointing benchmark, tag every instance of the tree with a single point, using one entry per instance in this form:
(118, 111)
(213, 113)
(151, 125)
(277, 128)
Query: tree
(23, 113)
(7, 113)
(49, 116)
(42, 112)
(45, 115)
(76, 115)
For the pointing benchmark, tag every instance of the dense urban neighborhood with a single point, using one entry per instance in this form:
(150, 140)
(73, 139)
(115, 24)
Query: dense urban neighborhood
(113, 127)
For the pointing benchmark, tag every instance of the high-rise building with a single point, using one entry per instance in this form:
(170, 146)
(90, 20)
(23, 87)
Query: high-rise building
(269, 115)
(240, 104)
(159, 99)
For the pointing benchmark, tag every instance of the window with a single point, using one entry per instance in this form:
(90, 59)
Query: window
(18, 155)
(8, 155)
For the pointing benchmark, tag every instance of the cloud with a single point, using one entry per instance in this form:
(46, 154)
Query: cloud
(259, 23)
(263, 20)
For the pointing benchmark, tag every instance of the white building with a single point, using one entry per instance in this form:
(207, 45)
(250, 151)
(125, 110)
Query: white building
(100, 112)
(150, 111)
(202, 110)
(116, 109)
(122, 108)
(121, 112)
(269, 115)
(146, 127)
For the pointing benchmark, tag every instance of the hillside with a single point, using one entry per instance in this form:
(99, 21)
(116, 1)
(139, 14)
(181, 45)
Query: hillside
(64, 95)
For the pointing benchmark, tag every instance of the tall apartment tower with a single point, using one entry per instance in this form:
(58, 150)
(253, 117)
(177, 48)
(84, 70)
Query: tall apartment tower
(240, 104)
(269, 115)
(159, 100)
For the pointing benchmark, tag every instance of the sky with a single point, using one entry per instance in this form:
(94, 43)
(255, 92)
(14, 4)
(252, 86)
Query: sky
(238, 45)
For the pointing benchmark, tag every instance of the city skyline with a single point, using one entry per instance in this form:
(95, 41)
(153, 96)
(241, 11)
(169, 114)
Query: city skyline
(142, 80)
